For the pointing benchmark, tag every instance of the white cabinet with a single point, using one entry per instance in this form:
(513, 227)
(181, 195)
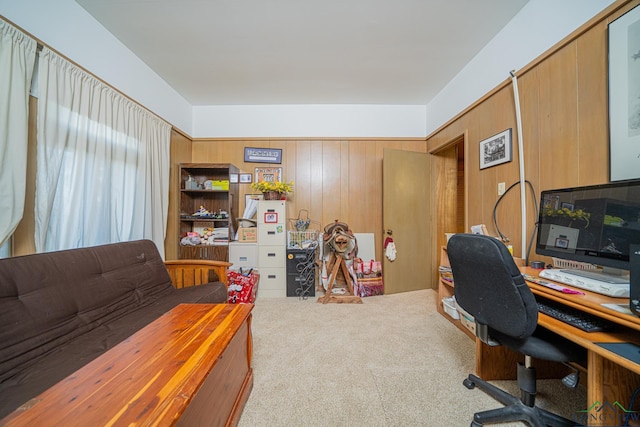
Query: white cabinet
(272, 243)
(243, 255)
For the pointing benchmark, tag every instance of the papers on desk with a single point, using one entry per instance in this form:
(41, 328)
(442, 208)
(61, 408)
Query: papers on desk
(620, 308)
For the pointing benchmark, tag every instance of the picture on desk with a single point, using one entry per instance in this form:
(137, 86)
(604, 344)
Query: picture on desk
(560, 237)
(550, 202)
(562, 242)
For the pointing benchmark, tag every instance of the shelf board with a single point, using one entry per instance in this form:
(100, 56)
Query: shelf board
(222, 244)
(189, 190)
(195, 219)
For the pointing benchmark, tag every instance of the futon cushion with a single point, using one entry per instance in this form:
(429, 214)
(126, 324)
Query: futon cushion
(48, 299)
(60, 310)
(48, 369)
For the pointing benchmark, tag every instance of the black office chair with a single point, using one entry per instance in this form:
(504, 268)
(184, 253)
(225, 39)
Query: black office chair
(489, 286)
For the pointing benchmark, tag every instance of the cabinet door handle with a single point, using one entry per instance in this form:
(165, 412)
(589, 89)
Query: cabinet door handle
(271, 276)
(271, 232)
(271, 254)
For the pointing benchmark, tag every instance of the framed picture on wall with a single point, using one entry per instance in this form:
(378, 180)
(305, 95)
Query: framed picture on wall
(262, 155)
(269, 174)
(246, 178)
(495, 150)
(624, 96)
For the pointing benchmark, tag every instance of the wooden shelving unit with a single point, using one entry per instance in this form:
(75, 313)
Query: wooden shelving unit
(445, 290)
(214, 200)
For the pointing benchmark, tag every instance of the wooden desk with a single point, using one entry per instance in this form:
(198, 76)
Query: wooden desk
(610, 377)
(192, 366)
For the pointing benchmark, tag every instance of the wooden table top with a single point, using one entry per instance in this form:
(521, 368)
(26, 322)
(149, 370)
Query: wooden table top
(592, 303)
(148, 379)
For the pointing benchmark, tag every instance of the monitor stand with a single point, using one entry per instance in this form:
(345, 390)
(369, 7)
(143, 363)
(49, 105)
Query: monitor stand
(604, 283)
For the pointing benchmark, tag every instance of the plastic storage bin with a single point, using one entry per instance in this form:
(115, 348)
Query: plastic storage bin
(449, 305)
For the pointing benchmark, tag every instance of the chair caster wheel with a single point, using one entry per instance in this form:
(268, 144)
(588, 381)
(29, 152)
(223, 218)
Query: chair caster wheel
(470, 385)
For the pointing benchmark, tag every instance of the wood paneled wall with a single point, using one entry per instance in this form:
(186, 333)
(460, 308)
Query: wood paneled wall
(333, 178)
(181, 147)
(563, 98)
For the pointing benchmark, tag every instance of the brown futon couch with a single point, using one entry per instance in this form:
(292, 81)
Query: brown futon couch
(60, 310)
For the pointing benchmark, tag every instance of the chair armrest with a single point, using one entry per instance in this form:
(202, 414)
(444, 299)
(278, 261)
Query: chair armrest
(193, 272)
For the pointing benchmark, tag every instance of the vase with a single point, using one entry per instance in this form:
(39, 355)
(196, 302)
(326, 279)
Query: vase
(274, 195)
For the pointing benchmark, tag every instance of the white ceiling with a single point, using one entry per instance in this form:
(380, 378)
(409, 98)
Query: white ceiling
(258, 52)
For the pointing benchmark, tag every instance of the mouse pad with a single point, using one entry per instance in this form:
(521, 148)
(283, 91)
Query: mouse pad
(625, 349)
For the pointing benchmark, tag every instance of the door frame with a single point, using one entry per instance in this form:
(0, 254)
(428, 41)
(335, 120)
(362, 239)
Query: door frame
(447, 196)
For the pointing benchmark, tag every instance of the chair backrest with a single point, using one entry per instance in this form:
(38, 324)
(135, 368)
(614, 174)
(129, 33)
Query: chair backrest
(489, 285)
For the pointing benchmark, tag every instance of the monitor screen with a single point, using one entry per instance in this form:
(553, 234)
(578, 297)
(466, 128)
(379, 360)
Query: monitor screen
(594, 224)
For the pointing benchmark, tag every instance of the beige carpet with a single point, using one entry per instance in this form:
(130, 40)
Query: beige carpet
(392, 361)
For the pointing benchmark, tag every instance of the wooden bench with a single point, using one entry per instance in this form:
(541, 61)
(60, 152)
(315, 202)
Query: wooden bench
(192, 366)
(191, 272)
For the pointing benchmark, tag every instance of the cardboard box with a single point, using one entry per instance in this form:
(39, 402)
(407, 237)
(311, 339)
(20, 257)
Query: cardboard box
(216, 184)
(220, 184)
(247, 234)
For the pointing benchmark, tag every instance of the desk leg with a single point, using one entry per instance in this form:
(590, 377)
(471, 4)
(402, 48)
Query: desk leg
(595, 378)
(607, 384)
(595, 383)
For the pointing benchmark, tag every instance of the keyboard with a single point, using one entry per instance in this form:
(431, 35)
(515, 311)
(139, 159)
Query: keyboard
(572, 316)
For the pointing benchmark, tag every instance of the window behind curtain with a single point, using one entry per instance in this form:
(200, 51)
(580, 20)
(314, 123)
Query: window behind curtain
(102, 163)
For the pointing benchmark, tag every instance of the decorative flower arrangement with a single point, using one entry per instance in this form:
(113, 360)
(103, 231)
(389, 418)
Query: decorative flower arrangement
(277, 186)
(572, 215)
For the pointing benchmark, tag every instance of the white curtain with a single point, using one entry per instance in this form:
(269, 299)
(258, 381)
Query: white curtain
(17, 58)
(102, 163)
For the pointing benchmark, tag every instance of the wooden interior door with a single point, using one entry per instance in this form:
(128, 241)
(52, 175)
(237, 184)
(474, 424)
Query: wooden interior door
(406, 214)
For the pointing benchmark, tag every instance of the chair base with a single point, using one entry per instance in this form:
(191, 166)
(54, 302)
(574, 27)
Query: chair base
(514, 409)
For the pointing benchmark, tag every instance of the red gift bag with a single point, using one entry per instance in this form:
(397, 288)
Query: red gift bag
(369, 276)
(367, 270)
(242, 287)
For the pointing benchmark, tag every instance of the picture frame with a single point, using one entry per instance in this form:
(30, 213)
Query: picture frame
(562, 243)
(268, 174)
(569, 206)
(262, 155)
(550, 202)
(496, 149)
(479, 229)
(271, 217)
(233, 178)
(624, 96)
(246, 178)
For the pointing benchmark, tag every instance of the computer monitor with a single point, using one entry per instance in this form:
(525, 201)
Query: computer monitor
(593, 224)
